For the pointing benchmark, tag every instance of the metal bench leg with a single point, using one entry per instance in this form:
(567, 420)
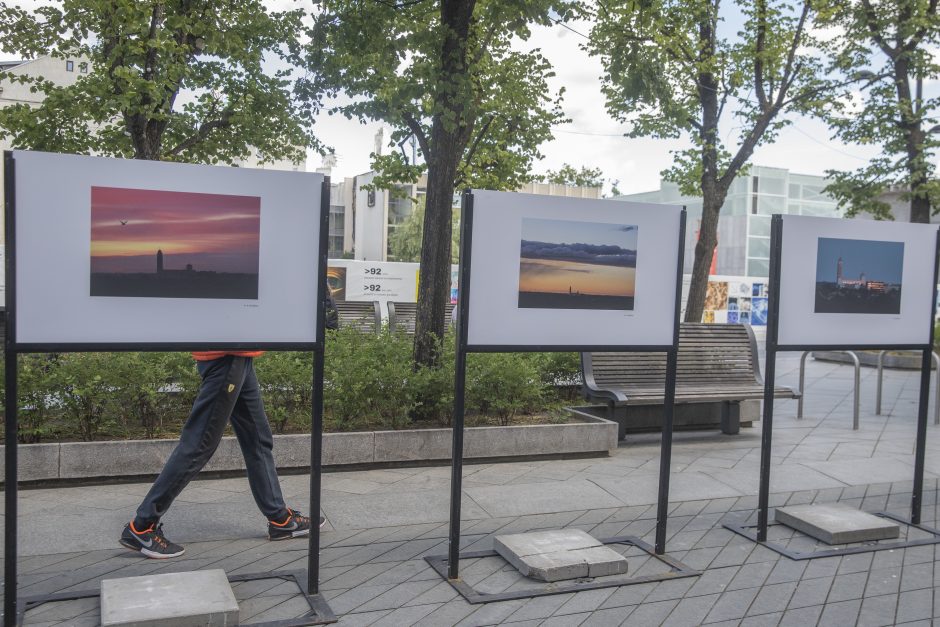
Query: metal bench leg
(618, 415)
(730, 418)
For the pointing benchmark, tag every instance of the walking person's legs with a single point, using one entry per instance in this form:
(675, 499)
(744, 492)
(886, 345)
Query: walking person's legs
(222, 381)
(253, 431)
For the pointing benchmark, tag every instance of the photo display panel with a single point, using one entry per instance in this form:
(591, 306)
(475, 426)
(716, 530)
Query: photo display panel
(113, 251)
(556, 271)
(855, 282)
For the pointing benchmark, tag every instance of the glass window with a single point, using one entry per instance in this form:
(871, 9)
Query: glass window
(794, 190)
(70, 66)
(767, 205)
(758, 247)
(814, 192)
(758, 267)
(773, 186)
(759, 225)
(83, 68)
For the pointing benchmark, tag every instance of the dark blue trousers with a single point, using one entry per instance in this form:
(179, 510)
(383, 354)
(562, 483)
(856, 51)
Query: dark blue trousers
(229, 391)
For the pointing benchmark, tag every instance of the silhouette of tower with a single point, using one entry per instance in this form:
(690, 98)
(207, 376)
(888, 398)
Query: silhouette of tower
(839, 272)
(159, 261)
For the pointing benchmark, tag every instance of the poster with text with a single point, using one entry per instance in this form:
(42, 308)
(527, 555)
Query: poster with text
(129, 252)
(855, 283)
(548, 270)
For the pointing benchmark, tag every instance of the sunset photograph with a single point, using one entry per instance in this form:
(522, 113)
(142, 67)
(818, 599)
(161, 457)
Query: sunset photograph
(161, 244)
(566, 264)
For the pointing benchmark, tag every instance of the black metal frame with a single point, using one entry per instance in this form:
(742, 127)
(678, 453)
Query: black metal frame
(463, 303)
(745, 530)
(12, 349)
(678, 570)
(773, 320)
(319, 614)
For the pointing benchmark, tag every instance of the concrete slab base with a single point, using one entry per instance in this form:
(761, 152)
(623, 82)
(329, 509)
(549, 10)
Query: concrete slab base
(560, 554)
(171, 600)
(837, 524)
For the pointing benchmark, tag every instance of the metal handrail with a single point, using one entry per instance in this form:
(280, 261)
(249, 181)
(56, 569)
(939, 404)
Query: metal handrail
(936, 401)
(858, 368)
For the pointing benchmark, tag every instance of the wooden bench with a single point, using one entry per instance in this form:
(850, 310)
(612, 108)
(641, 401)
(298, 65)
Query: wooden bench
(718, 363)
(401, 316)
(365, 316)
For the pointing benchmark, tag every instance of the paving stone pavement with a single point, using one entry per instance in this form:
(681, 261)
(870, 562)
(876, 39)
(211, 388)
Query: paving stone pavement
(381, 523)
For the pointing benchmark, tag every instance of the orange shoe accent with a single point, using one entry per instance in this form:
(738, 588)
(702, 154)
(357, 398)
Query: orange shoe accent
(290, 514)
(134, 529)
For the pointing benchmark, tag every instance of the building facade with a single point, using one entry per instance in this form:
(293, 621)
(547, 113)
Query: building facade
(744, 222)
(363, 220)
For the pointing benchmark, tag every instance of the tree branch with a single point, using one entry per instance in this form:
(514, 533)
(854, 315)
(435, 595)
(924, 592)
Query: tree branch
(205, 128)
(415, 127)
(476, 141)
(871, 20)
(918, 35)
(759, 54)
(790, 71)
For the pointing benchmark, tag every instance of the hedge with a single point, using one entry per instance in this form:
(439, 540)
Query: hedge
(369, 383)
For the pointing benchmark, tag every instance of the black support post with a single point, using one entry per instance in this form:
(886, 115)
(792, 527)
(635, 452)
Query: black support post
(316, 422)
(920, 450)
(460, 372)
(10, 405)
(767, 425)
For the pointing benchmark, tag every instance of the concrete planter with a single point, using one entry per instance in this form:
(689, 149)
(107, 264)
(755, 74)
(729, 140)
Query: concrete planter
(905, 361)
(130, 458)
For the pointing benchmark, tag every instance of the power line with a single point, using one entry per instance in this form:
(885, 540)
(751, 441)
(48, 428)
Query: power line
(829, 146)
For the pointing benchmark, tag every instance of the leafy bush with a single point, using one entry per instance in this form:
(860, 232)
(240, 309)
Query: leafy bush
(367, 379)
(86, 384)
(369, 383)
(503, 384)
(286, 380)
(36, 400)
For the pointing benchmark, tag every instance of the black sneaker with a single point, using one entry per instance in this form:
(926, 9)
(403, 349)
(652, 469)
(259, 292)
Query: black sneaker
(295, 526)
(151, 542)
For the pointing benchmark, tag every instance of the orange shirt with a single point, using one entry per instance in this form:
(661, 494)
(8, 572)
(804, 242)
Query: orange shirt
(210, 355)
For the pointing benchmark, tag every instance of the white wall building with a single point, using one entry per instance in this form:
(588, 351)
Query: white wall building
(744, 222)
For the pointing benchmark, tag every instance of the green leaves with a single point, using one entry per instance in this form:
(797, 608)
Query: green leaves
(173, 80)
(887, 49)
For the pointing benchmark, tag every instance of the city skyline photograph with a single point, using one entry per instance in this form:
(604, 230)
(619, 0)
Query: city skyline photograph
(858, 276)
(172, 244)
(566, 264)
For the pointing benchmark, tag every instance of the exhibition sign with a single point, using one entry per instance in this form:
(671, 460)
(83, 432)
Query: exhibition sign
(111, 254)
(855, 282)
(572, 272)
(128, 251)
(549, 273)
(845, 285)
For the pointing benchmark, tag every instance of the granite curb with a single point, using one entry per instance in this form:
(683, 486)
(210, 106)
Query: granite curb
(132, 458)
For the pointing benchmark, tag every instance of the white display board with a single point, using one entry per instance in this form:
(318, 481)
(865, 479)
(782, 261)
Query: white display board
(855, 282)
(556, 271)
(121, 251)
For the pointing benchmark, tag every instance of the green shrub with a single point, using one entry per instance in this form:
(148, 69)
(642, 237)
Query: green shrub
(87, 384)
(367, 379)
(286, 380)
(154, 391)
(503, 384)
(36, 396)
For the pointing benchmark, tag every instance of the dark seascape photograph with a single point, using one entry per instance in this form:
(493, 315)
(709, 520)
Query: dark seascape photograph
(566, 264)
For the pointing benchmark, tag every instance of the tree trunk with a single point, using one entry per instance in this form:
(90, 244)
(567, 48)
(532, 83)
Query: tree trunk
(713, 199)
(450, 132)
(434, 282)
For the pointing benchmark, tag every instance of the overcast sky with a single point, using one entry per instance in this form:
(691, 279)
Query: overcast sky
(593, 138)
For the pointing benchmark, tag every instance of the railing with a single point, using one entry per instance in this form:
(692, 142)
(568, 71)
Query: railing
(936, 400)
(858, 368)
